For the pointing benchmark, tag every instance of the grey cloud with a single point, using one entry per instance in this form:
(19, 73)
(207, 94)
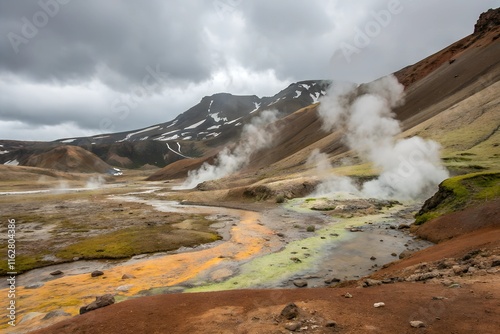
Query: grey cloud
(123, 37)
(93, 52)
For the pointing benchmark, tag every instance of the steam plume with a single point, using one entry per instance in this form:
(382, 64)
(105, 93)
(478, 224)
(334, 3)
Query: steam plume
(255, 136)
(410, 167)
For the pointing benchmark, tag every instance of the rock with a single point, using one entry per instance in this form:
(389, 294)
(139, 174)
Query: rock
(495, 263)
(34, 286)
(124, 288)
(417, 324)
(96, 273)
(128, 276)
(373, 258)
(471, 269)
(300, 283)
(455, 286)
(55, 314)
(330, 280)
(279, 234)
(290, 311)
(394, 254)
(56, 273)
(355, 229)
(347, 295)
(371, 282)
(403, 226)
(331, 324)
(295, 259)
(438, 298)
(459, 269)
(380, 304)
(293, 326)
(406, 253)
(76, 258)
(101, 301)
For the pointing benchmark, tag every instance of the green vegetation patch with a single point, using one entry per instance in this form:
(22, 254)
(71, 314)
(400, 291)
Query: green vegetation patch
(132, 241)
(460, 192)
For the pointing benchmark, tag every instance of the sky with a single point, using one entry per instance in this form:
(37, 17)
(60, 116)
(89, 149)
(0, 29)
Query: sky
(72, 68)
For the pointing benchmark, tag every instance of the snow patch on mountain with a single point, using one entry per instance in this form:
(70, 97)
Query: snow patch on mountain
(216, 117)
(233, 121)
(315, 97)
(195, 125)
(127, 137)
(257, 106)
(12, 162)
(210, 106)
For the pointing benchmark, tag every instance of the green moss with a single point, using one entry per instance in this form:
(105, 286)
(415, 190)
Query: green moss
(420, 219)
(135, 240)
(24, 263)
(311, 228)
(460, 192)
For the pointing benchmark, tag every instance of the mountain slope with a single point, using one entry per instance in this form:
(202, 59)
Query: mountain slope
(439, 85)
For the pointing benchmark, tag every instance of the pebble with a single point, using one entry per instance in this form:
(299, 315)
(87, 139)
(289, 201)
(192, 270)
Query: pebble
(293, 326)
(128, 276)
(96, 273)
(347, 295)
(331, 323)
(124, 288)
(377, 305)
(34, 286)
(417, 324)
(56, 273)
(300, 283)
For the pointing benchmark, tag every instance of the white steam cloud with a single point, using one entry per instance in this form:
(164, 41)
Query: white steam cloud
(410, 167)
(255, 136)
(95, 182)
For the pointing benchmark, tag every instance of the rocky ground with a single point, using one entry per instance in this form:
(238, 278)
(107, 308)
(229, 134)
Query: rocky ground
(452, 287)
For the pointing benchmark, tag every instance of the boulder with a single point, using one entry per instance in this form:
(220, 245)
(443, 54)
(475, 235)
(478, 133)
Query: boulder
(290, 311)
(101, 301)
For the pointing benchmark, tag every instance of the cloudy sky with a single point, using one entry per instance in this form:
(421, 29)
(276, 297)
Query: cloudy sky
(82, 67)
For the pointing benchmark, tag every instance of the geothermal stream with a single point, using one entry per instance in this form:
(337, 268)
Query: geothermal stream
(269, 249)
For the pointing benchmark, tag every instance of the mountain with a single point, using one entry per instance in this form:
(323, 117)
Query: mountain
(432, 86)
(214, 121)
(470, 67)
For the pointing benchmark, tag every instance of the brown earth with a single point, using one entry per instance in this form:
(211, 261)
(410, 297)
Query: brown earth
(69, 159)
(257, 311)
(485, 215)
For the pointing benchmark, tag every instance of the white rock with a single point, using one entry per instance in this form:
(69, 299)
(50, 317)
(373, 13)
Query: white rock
(124, 288)
(417, 324)
(379, 304)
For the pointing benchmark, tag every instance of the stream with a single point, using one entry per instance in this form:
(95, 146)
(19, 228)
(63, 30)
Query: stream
(268, 249)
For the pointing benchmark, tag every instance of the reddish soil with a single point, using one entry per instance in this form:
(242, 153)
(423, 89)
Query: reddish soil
(457, 234)
(446, 227)
(472, 308)
(257, 311)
